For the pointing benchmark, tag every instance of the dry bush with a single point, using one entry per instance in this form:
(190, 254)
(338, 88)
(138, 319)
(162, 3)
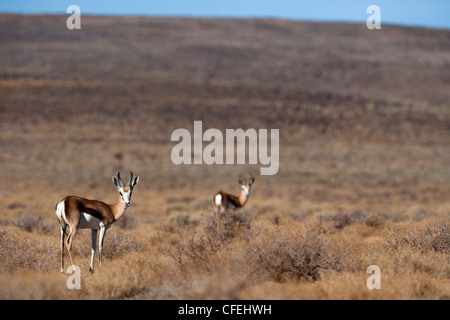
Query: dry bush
(293, 254)
(34, 222)
(342, 219)
(128, 221)
(122, 278)
(227, 226)
(118, 243)
(180, 219)
(339, 219)
(198, 246)
(19, 250)
(429, 235)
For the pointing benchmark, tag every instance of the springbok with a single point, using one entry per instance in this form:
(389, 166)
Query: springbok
(223, 201)
(80, 213)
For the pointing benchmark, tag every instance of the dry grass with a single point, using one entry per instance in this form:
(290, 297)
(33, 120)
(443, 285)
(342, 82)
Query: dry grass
(235, 257)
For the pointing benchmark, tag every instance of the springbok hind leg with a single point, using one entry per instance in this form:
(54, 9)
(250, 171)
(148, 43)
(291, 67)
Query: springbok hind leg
(72, 234)
(63, 234)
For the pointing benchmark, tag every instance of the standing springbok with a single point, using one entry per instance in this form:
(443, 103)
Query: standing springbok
(81, 213)
(223, 201)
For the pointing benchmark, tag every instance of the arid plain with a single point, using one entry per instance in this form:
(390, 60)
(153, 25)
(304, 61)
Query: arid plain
(364, 120)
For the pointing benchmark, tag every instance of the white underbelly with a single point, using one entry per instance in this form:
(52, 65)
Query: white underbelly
(89, 222)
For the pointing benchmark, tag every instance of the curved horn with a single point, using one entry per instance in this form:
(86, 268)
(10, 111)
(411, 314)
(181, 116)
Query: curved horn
(131, 178)
(120, 179)
(251, 179)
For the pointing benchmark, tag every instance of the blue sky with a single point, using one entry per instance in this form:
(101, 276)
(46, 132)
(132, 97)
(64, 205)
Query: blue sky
(431, 13)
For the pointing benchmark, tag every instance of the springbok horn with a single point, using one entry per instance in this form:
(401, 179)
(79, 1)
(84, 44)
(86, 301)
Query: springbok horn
(120, 179)
(251, 178)
(131, 178)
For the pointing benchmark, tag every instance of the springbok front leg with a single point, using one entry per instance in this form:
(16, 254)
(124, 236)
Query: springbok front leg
(94, 246)
(100, 243)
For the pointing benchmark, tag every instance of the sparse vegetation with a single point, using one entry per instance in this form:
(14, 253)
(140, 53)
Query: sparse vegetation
(233, 257)
(364, 154)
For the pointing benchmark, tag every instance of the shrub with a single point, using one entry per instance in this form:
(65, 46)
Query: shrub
(33, 222)
(118, 243)
(198, 246)
(429, 235)
(227, 226)
(128, 221)
(343, 219)
(282, 254)
(26, 252)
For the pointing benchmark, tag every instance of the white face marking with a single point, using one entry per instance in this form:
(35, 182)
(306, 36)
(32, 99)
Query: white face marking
(125, 196)
(89, 222)
(246, 189)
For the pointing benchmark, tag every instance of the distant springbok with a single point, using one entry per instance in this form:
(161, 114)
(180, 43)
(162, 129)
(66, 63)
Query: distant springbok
(223, 201)
(80, 213)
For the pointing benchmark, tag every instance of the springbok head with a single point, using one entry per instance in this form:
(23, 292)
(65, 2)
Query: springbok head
(125, 190)
(246, 184)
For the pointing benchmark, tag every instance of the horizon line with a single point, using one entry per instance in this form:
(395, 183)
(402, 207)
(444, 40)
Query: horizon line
(218, 17)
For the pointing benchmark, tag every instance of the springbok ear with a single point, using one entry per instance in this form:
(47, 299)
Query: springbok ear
(135, 182)
(116, 183)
